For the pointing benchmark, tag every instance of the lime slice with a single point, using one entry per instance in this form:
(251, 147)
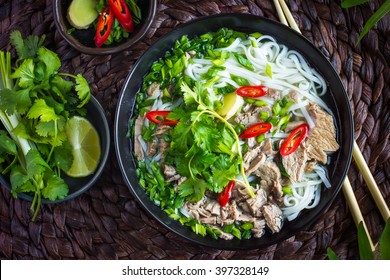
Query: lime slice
(85, 141)
(231, 104)
(82, 13)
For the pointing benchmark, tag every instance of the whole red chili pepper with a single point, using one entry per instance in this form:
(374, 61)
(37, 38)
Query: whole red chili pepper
(160, 117)
(104, 25)
(255, 130)
(122, 14)
(251, 91)
(225, 195)
(294, 140)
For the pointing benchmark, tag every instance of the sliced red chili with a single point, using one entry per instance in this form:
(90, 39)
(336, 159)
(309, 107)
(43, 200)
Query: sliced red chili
(294, 140)
(122, 14)
(160, 117)
(255, 130)
(104, 25)
(224, 196)
(251, 91)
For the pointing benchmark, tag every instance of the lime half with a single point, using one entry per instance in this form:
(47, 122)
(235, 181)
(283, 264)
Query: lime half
(85, 141)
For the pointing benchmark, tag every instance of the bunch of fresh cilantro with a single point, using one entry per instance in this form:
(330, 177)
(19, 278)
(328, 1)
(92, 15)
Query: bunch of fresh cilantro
(36, 100)
(205, 147)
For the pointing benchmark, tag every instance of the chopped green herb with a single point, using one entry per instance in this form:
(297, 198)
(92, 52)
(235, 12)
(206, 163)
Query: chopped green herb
(268, 70)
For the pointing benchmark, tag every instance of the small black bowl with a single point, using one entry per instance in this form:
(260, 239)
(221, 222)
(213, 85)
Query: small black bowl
(83, 39)
(336, 99)
(77, 186)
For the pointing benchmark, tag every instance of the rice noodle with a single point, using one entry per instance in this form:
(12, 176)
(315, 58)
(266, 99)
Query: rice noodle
(322, 173)
(290, 74)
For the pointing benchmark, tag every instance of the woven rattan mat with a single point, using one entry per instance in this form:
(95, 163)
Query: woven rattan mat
(108, 223)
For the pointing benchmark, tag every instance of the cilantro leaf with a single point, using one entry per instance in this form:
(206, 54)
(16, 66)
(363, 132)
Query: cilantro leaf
(20, 181)
(83, 90)
(7, 145)
(177, 114)
(206, 98)
(205, 134)
(223, 170)
(62, 156)
(11, 101)
(28, 47)
(182, 165)
(18, 177)
(50, 59)
(181, 135)
(225, 142)
(190, 97)
(61, 88)
(25, 74)
(45, 129)
(57, 106)
(56, 188)
(35, 163)
(40, 110)
(192, 189)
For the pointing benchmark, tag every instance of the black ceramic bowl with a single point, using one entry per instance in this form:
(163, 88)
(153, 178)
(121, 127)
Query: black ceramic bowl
(77, 186)
(336, 99)
(83, 39)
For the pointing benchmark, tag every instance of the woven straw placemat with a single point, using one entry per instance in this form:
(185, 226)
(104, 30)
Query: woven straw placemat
(108, 223)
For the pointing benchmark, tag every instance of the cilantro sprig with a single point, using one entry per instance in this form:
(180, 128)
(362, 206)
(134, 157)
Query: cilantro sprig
(211, 149)
(36, 100)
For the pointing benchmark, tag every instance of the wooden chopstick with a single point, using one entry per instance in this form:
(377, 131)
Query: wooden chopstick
(279, 10)
(356, 153)
(355, 210)
(289, 16)
(371, 184)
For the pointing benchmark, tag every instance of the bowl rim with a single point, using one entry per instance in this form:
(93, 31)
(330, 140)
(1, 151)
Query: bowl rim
(61, 27)
(94, 177)
(202, 240)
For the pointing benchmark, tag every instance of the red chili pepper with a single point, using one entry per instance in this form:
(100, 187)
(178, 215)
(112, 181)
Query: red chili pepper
(294, 140)
(160, 117)
(255, 130)
(251, 91)
(104, 24)
(225, 195)
(122, 14)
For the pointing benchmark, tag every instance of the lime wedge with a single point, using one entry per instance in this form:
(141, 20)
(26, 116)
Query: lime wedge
(231, 104)
(85, 141)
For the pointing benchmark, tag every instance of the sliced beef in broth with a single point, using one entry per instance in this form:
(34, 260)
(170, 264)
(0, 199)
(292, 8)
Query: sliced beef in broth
(322, 138)
(153, 90)
(270, 173)
(273, 217)
(295, 163)
(152, 148)
(255, 203)
(252, 116)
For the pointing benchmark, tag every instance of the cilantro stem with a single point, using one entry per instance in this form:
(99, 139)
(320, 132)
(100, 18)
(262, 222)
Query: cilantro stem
(54, 142)
(229, 126)
(67, 75)
(36, 203)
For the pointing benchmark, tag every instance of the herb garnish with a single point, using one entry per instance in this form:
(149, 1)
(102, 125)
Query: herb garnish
(35, 102)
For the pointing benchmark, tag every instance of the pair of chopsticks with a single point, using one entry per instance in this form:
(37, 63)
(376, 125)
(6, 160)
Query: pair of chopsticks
(286, 18)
